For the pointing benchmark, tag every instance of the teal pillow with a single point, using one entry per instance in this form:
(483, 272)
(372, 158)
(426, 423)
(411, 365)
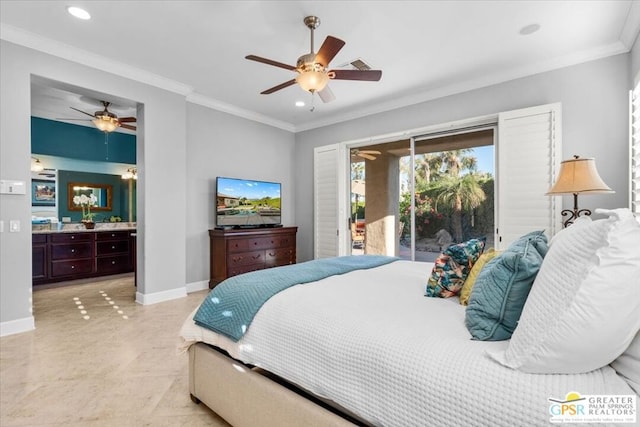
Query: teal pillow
(502, 288)
(452, 267)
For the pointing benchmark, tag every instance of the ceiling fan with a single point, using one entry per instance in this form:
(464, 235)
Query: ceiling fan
(364, 154)
(313, 68)
(106, 121)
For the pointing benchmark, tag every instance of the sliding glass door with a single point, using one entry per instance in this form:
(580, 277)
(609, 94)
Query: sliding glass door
(412, 199)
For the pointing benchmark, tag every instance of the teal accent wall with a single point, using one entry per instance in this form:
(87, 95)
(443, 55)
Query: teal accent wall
(54, 138)
(119, 199)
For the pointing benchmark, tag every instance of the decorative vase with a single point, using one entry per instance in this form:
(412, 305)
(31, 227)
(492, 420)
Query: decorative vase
(89, 225)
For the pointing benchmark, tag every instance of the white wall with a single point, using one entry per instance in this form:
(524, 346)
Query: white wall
(161, 196)
(219, 144)
(594, 99)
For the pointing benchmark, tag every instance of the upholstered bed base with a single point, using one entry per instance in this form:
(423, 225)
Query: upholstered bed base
(246, 396)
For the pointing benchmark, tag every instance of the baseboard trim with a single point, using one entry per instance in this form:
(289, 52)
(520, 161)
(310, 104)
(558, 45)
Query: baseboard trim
(156, 297)
(17, 326)
(197, 286)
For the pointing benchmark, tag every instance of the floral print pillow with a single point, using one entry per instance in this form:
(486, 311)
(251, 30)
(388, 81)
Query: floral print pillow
(452, 267)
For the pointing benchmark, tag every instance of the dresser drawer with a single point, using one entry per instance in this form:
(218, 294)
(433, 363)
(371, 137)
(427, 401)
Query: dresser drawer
(112, 235)
(38, 238)
(246, 258)
(71, 237)
(251, 243)
(112, 247)
(234, 271)
(72, 251)
(113, 264)
(279, 256)
(69, 268)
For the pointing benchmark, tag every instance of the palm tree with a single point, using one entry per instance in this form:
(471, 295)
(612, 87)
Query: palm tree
(428, 167)
(456, 161)
(460, 194)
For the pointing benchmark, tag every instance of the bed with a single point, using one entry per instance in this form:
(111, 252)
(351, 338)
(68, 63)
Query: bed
(368, 348)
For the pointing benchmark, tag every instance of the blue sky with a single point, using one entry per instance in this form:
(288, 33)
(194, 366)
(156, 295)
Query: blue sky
(249, 189)
(485, 159)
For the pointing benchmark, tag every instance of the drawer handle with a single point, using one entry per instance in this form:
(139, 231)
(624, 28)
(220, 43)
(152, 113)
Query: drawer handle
(272, 254)
(73, 250)
(73, 237)
(113, 263)
(256, 256)
(113, 235)
(73, 266)
(113, 247)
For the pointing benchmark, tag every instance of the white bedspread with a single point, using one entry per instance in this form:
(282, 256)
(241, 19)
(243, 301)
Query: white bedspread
(371, 342)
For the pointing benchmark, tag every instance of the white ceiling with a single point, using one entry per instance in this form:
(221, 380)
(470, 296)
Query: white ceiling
(426, 49)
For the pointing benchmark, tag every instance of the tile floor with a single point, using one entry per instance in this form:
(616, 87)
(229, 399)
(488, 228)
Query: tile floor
(96, 358)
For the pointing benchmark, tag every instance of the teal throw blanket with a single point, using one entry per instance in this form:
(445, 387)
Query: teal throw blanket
(230, 307)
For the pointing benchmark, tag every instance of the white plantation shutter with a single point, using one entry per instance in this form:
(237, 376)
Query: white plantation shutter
(634, 155)
(325, 200)
(528, 148)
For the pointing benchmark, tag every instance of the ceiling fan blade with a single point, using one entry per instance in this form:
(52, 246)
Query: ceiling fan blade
(64, 118)
(83, 112)
(329, 50)
(326, 94)
(127, 119)
(270, 62)
(280, 86)
(122, 125)
(370, 152)
(365, 75)
(365, 156)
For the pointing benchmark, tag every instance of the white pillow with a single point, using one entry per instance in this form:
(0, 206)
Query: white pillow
(583, 309)
(628, 364)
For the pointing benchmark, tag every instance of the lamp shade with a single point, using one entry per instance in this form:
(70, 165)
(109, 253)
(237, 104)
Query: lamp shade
(579, 175)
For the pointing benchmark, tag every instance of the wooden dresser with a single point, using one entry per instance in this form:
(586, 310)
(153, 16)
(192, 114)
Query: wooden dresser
(60, 256)
(234, 252)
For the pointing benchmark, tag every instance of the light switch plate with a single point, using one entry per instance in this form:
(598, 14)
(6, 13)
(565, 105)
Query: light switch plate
(10, 186)
(14, 226)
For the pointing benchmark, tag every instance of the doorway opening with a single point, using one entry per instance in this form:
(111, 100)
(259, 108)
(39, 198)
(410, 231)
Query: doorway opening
(86, 180)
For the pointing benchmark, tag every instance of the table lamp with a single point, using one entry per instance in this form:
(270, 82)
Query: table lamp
(578, 176)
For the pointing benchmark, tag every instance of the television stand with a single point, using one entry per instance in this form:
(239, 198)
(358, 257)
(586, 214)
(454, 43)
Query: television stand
(237, 251)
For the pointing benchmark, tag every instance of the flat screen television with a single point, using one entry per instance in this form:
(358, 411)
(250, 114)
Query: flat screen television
(247, 203)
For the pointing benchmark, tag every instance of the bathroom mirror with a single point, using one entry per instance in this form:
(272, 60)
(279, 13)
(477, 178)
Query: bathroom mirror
(103, 193)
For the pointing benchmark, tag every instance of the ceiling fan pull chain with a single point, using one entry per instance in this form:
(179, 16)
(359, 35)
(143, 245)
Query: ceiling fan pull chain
(106, 142)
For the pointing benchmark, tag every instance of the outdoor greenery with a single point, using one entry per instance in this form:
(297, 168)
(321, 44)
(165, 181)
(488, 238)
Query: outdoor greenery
(449, 194)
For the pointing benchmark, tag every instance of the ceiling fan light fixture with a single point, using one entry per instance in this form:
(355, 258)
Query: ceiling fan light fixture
(106, 123)
(312, 80)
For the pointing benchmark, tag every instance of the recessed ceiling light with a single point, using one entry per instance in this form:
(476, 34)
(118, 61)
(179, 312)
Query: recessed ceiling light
(529, 29)
(78, 12)
(299, 103)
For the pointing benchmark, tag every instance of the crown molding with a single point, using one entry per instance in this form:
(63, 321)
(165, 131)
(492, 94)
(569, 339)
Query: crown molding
(33, 41)
(206, 101)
